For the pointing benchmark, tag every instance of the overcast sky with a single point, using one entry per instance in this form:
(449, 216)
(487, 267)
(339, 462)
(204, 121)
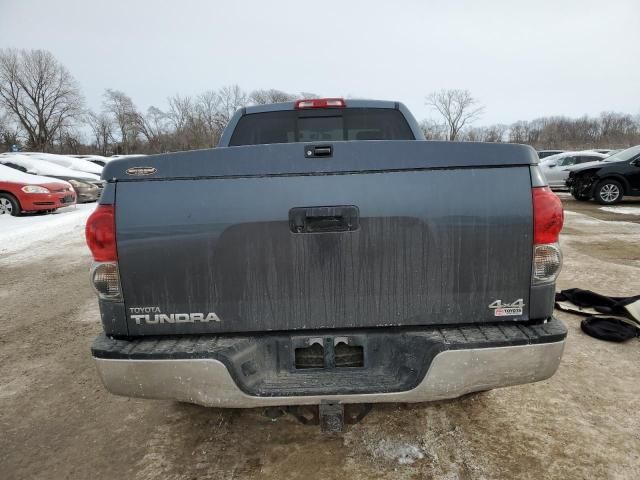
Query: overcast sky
(521, 59)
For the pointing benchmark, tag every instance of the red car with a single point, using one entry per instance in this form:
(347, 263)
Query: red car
(22, 192)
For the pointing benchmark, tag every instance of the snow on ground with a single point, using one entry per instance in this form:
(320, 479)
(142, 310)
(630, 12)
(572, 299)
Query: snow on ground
(403, 453)
(628, 231)
(19, 233)
(622, 210)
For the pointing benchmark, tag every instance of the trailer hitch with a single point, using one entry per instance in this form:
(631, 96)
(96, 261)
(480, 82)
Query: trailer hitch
(331, 416)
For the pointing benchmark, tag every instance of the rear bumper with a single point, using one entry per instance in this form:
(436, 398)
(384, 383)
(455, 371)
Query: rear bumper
(131, 368)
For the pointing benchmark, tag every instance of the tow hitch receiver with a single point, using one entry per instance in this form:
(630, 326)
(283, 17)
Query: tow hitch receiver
(331, 416)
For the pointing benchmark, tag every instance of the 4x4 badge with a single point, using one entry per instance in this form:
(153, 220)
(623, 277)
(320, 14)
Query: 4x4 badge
(507, 309)
(141, 171)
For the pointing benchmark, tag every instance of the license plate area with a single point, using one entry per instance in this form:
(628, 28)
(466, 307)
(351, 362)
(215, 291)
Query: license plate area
(327, 353)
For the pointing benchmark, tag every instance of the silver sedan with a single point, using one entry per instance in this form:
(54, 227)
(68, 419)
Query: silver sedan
(555, 167)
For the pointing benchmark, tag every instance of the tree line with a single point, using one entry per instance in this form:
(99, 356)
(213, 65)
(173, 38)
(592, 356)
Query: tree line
(42, 108)
(608, 130)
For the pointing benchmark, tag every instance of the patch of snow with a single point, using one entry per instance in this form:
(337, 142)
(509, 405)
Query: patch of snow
(131, 155)
(90, 158)
(622, 210)
(403, 453)
(602, 230)
(8, 174)
(20, 233)
(38, 166)
(78, 164)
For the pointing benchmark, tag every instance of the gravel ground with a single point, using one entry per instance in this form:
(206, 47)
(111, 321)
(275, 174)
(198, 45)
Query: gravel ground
(56, 420)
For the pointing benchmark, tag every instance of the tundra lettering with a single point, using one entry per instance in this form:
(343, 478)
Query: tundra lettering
(174, 318)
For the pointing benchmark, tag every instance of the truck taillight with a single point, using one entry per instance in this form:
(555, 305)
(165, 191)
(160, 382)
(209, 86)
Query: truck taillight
(548, 217)
(105, 279)
(320, 103)
(100, 232)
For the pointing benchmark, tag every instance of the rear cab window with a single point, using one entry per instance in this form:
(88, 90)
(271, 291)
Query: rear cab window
(313, 125)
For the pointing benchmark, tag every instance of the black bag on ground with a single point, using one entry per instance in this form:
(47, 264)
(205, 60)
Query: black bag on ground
(601, 303)
(607, 328)
(586, 302)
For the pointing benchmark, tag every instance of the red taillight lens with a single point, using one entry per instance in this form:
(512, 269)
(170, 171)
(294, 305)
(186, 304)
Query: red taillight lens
(101, 234)
(321, 103)
(548, 216)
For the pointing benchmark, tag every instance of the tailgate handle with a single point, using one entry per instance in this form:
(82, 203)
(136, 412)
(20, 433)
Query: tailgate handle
(341, 218)
(311, 151)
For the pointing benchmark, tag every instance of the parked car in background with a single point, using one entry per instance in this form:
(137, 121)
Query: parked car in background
(79, 164)
(87, 186)
(22, 192)
(611, 152)
(606, 151)
(128, 155)
(97, 159)
(547, 153)
(609, 180)
(131, 155)
(555, 167)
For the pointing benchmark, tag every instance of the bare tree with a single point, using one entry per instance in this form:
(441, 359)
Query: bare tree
(69, 140)
(181, 111)
(457, 107)
(263, 97)
(209, 108)
(495, 133)
(433, 130)
(40, 94)
(609, 130)
(8, 131)
(154, 126)
(190, 129)
(232, 98)
(492, 133)
(101, 125)
(614, 127)
(125, 116)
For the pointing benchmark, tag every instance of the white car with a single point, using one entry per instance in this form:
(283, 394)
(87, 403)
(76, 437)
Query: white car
(38, 166)
(78, 164)
(97, 159)
(88, 186)
(555, 168)
(131, 155)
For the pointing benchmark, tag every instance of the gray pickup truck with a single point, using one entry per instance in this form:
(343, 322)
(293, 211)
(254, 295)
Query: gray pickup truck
(325, 254)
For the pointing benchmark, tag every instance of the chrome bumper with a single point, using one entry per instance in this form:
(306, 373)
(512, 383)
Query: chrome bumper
(452, 373)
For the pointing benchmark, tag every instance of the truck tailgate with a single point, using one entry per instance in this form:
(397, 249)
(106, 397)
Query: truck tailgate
(422, 241)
